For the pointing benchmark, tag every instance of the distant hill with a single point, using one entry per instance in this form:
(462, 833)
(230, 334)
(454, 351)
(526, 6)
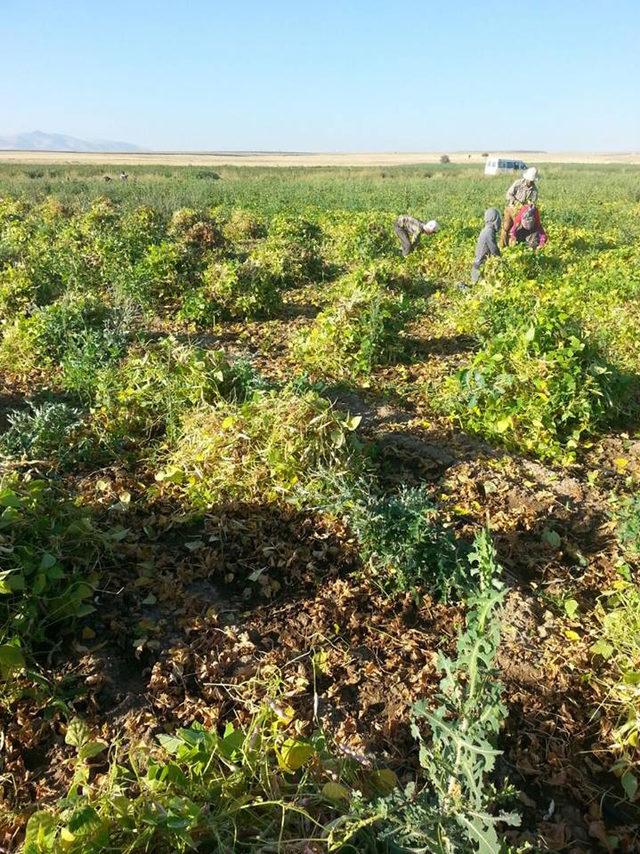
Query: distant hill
(39, 141)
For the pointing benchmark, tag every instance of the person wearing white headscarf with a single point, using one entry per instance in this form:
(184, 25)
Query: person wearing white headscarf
(409, 229)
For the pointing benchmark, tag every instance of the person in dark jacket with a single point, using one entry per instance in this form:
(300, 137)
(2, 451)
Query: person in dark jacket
(487, 244)
(409, 229)
(527, 228)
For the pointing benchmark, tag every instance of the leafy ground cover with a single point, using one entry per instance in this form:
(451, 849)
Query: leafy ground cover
(302, 546)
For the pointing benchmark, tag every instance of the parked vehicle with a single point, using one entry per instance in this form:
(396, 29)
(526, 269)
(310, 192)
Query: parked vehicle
(500, 165)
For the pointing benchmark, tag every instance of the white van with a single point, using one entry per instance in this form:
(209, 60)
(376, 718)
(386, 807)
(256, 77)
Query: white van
(500, 165)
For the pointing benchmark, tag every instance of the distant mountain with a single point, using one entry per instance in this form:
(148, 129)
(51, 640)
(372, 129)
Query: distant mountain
(39, 141)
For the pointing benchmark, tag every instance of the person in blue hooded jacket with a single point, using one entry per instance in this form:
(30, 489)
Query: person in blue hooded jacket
(487, 244)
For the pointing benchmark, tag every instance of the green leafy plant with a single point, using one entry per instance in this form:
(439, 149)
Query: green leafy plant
(50, 555)
(539, 387)
(90, 351)
(404, 543)
(276, 445)
(357, 331)
(49, 431)
(452, 809)
(628, 519)
(258, 786)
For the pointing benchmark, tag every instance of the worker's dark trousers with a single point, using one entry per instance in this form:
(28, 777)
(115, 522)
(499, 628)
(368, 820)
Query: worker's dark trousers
(407, 245)
(476, 270)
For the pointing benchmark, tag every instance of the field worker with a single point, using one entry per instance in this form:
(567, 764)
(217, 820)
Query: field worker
(409, 229)
(487, 244)
(527, 228)
(523, 191)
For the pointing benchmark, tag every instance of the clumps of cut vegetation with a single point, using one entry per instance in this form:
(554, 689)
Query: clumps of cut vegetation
(18, 293)
(140, 228)
(147, 394)
(538, 387)
(242, 225)
(277, 445)
(361, 237)
(289, 262)
(358, 330)
(42, 338)
(233, 289)
(194, 229)
(157, 279)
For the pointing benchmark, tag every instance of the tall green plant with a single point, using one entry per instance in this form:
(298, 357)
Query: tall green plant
(451, 809)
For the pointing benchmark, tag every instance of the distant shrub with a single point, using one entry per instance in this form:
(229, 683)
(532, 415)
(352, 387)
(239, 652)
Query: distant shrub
(445, 159)
(276, 445)
(357, 331)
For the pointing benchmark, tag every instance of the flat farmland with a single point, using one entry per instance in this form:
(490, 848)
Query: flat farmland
(304, 545)
(305, 159)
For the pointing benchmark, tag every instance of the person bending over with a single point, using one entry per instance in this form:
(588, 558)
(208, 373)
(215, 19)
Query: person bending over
(409, 229)
(527, 228)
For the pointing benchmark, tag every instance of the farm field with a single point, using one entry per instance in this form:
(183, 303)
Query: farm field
(298, 159)
(303, 547)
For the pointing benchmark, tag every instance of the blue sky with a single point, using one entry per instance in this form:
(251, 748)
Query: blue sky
(338, 75)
